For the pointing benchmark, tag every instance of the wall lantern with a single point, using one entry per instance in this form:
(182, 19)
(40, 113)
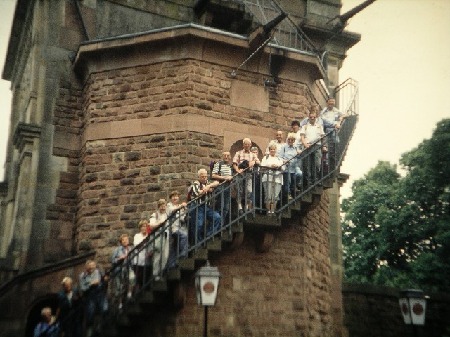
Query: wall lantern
(206, 286)
(413, 305)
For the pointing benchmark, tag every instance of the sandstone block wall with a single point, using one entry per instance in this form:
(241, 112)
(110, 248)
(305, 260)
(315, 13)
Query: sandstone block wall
(147, 130)
(280, 293)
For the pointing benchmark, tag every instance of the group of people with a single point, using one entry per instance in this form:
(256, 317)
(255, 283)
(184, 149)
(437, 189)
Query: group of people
(306, 135)
(169, 243)
(79, 309)
(281, 171)
(281, 174)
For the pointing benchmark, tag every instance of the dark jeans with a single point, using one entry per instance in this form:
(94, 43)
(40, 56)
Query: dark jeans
(223, 200)
(197, 216)
(94, 300)
(312, 164)
(290, 181)
(142, 274)
(329, 162)
(178, 248)
(70, 321)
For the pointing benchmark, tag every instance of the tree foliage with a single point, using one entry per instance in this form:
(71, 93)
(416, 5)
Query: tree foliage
(396, 229)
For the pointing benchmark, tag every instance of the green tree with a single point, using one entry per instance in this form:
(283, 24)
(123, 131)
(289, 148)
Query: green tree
(397, 229)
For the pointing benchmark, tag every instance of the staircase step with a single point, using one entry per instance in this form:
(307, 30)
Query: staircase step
(307, 198)
(297, 206)
(160, 285)
(227, 236)
(174, 274)
(317, 190)
(328, 183)
(187, 264)
(123, 320)
(286, 214)
(263, 221)
(201, 254)
(215, 245)
(146, 297)
(134, 310)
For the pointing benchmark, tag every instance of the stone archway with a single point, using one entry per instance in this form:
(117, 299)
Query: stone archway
(237, 146)
(34, 315)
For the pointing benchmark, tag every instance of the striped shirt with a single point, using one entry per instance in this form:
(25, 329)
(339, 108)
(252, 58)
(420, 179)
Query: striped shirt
(242, 155)
(225, 169)
(196, 187)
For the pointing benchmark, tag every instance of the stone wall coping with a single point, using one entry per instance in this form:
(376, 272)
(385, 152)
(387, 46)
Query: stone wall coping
(89, 49)
(370, 289)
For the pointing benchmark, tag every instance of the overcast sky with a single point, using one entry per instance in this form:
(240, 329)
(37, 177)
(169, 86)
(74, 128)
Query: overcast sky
(7, 10)
(402, 64)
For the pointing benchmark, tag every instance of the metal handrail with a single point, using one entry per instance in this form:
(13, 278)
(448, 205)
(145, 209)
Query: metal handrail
(220, 199)
(287, 33)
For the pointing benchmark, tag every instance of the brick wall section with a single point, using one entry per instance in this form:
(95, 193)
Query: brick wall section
(61, 215)
(279, 293)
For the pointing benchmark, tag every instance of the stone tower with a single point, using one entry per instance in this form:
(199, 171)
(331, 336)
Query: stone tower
(117, 102)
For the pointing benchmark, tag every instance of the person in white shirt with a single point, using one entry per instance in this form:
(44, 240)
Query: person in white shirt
(142, 259)
(179, 238)
(161, 245)
(311, 133)
(278, 141)
(332, 120)
(272, 178)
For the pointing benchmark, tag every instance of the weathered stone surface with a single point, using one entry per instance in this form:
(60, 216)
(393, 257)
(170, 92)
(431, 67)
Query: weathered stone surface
(157, 117)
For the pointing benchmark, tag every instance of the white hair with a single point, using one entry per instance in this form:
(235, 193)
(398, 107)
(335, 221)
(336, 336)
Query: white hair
(202, 170)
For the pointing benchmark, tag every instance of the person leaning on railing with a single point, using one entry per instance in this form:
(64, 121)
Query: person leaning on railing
(242, 161)
(311, 132)
(90, 282)
(142, 260)
(292, 176)
(120, 256)
(332, 119)
(68, 313)
(177, 221)
(199, 208)
(223, 173)
(272, 178)
(162, 244)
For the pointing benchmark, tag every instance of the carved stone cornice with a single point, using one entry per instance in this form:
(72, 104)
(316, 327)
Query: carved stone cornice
(25, 134)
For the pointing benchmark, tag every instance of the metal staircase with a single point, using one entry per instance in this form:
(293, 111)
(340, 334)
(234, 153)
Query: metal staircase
(158, 289)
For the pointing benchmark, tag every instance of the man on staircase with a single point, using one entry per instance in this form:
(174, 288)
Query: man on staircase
(311, 133)
(200, 209)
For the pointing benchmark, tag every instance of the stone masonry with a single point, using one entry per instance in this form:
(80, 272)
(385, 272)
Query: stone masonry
(121, 178)
(281, 293)
(115, 104)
